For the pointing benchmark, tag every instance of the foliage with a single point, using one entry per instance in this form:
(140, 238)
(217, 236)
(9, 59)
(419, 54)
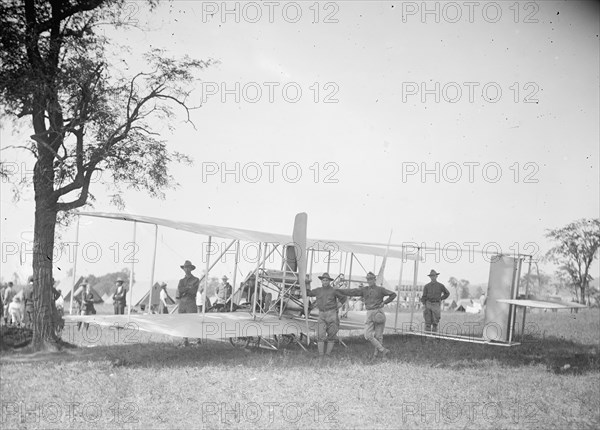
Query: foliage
(537, 283)
(564, 282)
(577, 247)
(90, 118)
(106, 283)
(453, 283)
(87, 116)
(463, 288)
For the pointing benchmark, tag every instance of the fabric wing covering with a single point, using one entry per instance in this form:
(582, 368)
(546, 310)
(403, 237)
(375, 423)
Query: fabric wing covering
(257, 236)
(215, 326)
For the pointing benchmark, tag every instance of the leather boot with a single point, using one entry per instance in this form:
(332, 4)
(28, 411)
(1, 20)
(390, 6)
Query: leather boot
(321, 346)
(329, 348)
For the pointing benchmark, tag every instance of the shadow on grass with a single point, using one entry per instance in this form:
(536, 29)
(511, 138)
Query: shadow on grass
(572, 350)
(560, 356)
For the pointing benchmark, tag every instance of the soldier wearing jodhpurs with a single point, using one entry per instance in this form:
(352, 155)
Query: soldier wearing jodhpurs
(187, 289)
(433, 294)
(329, 321)
(375, 324)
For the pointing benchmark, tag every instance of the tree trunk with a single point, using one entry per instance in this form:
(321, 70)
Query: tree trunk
(44, 309)
(582, 289)
(44, 337)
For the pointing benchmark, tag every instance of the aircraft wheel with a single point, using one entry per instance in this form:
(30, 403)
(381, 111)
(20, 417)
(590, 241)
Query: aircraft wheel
(240, 342)
(284, 340)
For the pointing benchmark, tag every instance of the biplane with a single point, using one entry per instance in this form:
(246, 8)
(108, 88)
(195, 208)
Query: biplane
(287, 315)
(270, 306)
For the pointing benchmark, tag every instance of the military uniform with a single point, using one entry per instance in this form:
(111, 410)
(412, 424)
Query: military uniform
(375, 322)
(28, 297)
(224, 292)
(329, 320)
(88, 303)
(187, 289)
(120, 300)
(327, 303)
(433, 294)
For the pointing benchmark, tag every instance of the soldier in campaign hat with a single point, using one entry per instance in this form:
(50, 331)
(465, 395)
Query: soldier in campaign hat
(119, 297)
(373, 298)
(433, 294)
(328, 299)
(187, 289)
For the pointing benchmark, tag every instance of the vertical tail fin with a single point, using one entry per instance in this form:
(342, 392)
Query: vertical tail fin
(299, 237)
(382, 268)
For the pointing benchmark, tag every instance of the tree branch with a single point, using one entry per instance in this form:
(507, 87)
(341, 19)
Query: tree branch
(66, 206)
(82, 6)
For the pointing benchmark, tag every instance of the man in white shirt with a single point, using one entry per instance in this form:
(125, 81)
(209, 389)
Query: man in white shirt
(9, 293)
(164, 295)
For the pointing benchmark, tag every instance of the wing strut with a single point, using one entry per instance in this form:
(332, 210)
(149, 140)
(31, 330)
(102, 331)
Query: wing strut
(399, 288)
(131, 273)
(414, 287)
(153, 266)
(235, 270)
(256, 280)
(205, 290)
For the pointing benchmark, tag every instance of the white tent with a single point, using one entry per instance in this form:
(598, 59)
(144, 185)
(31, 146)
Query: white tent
(107, 299)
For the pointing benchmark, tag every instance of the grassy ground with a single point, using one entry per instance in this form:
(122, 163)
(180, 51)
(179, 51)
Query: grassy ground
(127, 379)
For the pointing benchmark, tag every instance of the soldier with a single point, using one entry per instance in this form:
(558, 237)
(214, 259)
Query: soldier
(329, 321)
(433, 294)
(263, 301)
(223, 291)
(372, 296)
(119, 298)
(187, 289)
(28, 299)
(87, 303)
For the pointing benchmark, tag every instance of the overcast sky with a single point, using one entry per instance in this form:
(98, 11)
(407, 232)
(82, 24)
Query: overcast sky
(498, 103)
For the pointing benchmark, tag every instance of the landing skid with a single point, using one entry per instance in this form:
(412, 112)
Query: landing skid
(276, 343)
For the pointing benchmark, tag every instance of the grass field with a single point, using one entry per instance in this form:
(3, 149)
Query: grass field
(127, 379)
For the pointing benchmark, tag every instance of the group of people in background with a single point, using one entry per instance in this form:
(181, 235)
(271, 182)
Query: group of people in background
(17, 308)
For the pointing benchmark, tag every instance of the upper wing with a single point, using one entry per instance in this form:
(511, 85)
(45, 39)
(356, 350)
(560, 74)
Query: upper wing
(257, 236)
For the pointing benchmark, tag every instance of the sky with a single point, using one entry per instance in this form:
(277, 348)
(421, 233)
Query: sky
(446, 125)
